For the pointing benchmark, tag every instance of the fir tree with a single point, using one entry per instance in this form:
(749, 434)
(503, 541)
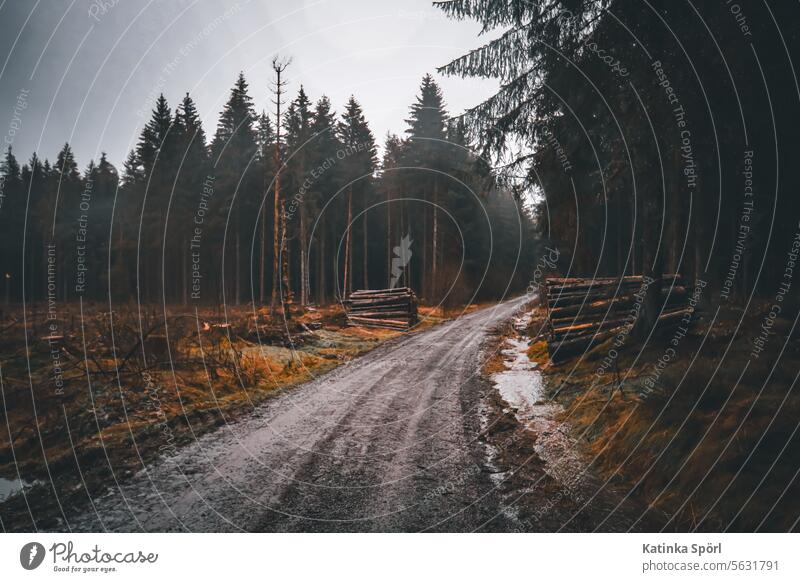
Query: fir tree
(426, 149)
(323, 148)
(237, 183)
(66, 167)
(297, 127)
(427, 124)
(156, 138)
(236, 130)
(359, 164)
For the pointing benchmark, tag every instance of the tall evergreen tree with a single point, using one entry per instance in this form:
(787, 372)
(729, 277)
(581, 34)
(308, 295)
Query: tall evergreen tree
(358, 166)
(156, 138)
(66, 167)
(157, 154)
(236, 127)
(298, 135)
(426, 149)
(237, 183)
(193, 170)
(12, 216)
(324, 185)
(391, 184)
(265, 141)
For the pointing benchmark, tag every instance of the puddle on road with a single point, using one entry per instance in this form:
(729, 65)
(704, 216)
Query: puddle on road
(521, 385)
(9, 487)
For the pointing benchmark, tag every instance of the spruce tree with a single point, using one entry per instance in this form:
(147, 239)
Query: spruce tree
(265, 141)
(358, 165)
(156, 138)
(156, 152)
(236, 127)
(427, 123)
(237, 183)
(297, 127)
(324, 185)
(426, 149)
(391, 185)
(66, 167)
(12, 216)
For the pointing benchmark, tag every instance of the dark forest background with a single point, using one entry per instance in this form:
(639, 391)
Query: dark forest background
(655, 136)
(190, 218)
(661, 135)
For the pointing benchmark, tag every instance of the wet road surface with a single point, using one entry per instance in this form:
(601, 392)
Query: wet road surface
(383, 443)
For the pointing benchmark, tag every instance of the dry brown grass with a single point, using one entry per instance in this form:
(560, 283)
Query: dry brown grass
(708, 453)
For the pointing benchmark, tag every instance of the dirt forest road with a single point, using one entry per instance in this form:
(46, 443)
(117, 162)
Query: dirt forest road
(383, 443)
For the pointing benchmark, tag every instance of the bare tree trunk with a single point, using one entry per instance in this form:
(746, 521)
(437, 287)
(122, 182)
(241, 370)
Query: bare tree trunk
(184, 250)
(652, 267)
(620, 235)
(348, 244)
(276, 242)
(675, 217)
(407, 275)
(304, 291)
(237, 267)
(425, 276)
(388, 238)
(286, 282)
(321, 290)
(278, 66)
(262, 263)
(434, 257)
(365, 257)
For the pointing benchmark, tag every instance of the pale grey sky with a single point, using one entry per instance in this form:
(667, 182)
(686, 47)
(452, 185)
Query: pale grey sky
(88, 71)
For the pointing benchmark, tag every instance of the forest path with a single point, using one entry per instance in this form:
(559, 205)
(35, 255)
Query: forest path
(383, 443)
(387, 442)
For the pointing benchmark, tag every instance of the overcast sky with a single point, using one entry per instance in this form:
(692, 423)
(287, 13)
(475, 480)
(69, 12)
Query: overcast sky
(88, 71)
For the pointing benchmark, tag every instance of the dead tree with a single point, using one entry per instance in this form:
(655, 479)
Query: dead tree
(279, 227)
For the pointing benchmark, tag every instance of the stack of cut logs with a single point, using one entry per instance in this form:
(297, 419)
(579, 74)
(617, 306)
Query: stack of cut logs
(585, 312)
(386, 308)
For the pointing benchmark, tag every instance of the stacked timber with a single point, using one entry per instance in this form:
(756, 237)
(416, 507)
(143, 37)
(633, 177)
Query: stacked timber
(582, 313)
(385, 308)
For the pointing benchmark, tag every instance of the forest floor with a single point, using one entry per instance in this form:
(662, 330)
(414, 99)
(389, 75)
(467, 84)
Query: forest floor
(701, 429)
(384, 443)
(408, 437)
(93, 392)
(387, 442)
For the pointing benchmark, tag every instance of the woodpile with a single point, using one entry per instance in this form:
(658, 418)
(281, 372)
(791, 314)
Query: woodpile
(384, 308)
(582, 313)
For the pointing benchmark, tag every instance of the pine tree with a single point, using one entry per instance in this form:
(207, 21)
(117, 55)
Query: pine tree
(298, 137)
(325, 183)
(66, 167)
(427, 122)
(191, 139)
(156, 137)
(234, 161)
(10, 167)
(427, 134)
(358, 166)
(157, 154)
(266, 146)
(12, 212)
(193, 169)
(133, 170)
(236, 127)
(41, 202)
(390, 185)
